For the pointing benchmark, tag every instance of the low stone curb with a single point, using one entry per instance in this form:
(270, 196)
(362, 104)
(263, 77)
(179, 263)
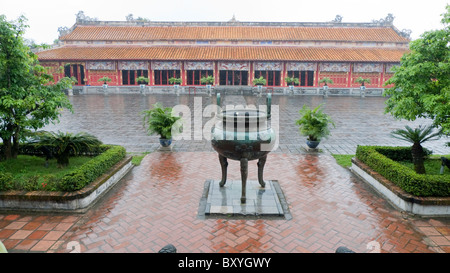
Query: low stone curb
(77, 201)
(424, 206)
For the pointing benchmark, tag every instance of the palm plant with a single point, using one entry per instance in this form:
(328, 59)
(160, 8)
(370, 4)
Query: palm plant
(417, 136)
(362, 81)
(65, 144)
(326, 81)
(174, 80)
(159, 120)
(142, 80)
(105, 80)
(207, 80)
(259, 81)
(292, 81)
(313, 123)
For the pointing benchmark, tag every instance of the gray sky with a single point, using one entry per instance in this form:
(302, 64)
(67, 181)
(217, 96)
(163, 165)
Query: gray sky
(45, 16)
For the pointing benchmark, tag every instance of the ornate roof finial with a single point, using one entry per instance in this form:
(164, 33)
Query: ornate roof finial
(338, 19)
(233, 19)
(388, 21)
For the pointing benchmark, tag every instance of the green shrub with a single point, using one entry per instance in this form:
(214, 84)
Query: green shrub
(378, 158)
(89, 171)
(6, 181)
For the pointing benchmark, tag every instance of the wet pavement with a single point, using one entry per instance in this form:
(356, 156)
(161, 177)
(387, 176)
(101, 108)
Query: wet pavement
(116, 119)
(158, 202)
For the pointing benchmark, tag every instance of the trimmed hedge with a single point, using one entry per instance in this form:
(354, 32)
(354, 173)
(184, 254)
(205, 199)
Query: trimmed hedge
(383, 160)
(89, 171)
(82, 176)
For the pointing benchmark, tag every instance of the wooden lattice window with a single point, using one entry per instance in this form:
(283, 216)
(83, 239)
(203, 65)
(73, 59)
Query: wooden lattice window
(76, 71)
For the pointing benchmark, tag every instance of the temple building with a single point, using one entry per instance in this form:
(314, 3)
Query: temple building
(233, 52)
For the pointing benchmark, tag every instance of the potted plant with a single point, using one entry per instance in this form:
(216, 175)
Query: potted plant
(105, 81)
(259, 81)
(175, 81)
(160, 120)
(207, 80)
(292, 81)
(141, 80)
(362, 81)
(326, 81)
(314, 124)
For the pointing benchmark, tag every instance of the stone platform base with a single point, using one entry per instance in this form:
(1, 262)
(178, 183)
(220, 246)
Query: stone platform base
(226, 201)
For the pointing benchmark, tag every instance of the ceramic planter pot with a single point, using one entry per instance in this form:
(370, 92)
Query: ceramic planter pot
(312, 144)
(165, 142)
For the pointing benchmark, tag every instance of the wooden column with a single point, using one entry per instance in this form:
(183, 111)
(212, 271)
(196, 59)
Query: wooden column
(349, 79)
(216, 73)
(381, 81)
(316, 81)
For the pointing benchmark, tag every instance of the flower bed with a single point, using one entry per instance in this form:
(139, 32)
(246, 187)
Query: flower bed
(416, 193)
(384, 161)
(81, 187)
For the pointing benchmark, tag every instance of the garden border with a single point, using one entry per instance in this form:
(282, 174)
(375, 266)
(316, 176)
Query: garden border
(424, 206)
(77, 201)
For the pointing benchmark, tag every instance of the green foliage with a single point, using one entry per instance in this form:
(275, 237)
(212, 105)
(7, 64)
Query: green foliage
(92, 169)
(343, 160)
(292, 81)
(314, 123)
(6, 181)
(65, 144)
(326, 80)
(422, 81)
(362, 81)
(104, 79)
(417, 136)
(174, 80)
(28, 97)
(259, 81)
(142, 80)
(136, 159)
(207, 80)
(402, 176)
(160, 120)
(28, 172)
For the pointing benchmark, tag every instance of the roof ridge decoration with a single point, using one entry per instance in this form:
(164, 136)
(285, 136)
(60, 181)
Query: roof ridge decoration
(82, 19)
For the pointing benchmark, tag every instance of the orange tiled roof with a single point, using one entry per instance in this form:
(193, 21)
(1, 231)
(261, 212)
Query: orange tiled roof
(255, 33)
(275, 53)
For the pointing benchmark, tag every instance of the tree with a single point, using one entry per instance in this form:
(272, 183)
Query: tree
(28, 97)
(417, 136)
(422, 81)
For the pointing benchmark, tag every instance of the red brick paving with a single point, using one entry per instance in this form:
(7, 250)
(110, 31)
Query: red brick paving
(157, 204)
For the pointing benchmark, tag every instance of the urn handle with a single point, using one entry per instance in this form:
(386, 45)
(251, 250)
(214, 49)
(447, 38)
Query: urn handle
(218, 99)
(269, 105)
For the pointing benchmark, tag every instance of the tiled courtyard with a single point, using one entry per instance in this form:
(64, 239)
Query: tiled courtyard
(158, 202)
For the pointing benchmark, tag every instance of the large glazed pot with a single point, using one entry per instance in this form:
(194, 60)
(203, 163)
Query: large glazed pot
(243, 135)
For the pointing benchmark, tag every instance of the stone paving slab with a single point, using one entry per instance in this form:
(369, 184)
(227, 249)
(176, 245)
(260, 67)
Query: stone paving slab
(225, 201)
